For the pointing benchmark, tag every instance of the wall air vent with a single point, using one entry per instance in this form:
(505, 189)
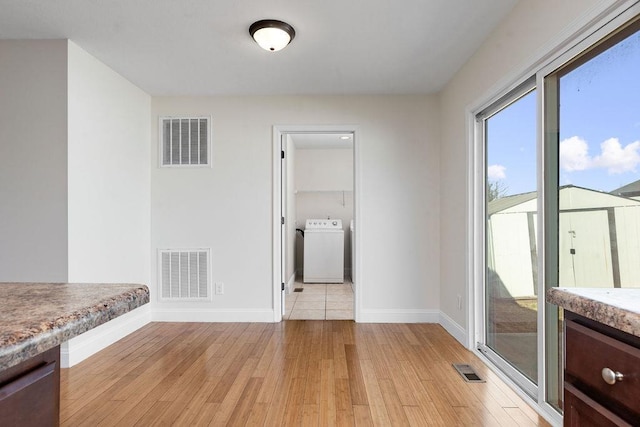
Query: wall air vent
(185, 141)
(184, 274)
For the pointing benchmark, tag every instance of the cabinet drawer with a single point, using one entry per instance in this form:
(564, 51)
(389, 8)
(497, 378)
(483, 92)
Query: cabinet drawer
(580, 410)
(30, 391)
(588, 352)
(29, 399)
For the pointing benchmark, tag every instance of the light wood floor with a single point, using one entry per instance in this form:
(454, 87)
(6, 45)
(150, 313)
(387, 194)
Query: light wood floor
(290, 373)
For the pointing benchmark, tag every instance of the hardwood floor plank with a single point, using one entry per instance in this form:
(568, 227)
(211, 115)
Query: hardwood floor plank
(424, 400)
(311, 415)
(280, 395)
(343, 395)
(345, 418)
(312, 388)
(154, 414)
(94, 416)
(402, 386)
(455, 395)
(164, 362)
(348, 332)
(130, 411)
(242, 410)
(339, 355)
(267, 354)
(257, 416)
(356, 381)
(519, 417)
(417, 417)
(232, 398)
(274, 375)
(362, 415)
(379, 414)
(446, 411)
(377, 357)
(397, 415)
(327, 393)
(295, 403)
(206, 415)
(293, 373)
(197, 404)
(472, 417)
(492, 406)
(239, 359)
(326, 344)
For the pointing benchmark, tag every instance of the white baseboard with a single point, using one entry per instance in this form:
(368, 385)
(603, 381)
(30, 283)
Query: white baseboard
(85, 345)
(398, 316)
(455, 330)
(211, 315)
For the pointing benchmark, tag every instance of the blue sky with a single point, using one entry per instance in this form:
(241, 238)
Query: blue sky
(599, 127)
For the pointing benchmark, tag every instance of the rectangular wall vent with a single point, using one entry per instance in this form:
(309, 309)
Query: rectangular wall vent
(184, 274)
(185, 141)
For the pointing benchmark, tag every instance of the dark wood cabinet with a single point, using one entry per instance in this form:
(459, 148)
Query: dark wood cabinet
(582, 411)
(30, 392)
(602, 374)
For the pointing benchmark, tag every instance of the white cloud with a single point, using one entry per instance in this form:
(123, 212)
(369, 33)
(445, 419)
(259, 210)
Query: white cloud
(495, 172)
(574, 154)
(617, 159)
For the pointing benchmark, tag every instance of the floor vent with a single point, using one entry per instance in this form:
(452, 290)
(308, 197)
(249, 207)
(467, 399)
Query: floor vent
(468, 373)
(298, 289)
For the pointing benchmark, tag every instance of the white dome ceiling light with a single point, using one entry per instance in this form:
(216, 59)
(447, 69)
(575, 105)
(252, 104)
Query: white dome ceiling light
(272, 35)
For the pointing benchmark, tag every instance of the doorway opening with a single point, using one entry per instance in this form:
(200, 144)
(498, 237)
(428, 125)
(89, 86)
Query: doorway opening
(315, 213)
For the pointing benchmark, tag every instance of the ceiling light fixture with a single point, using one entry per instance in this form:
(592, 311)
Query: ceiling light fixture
(272, 35)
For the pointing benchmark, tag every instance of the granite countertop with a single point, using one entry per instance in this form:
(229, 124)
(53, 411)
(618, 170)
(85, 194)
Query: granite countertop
(35, 317)
(615, 307)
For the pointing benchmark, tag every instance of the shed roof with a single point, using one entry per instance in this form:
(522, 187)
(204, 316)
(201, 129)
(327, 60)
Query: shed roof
(502, 203)
(630, 190)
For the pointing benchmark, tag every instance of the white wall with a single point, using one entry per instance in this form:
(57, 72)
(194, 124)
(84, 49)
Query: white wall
(109, 174)
(322, 169)
(33, 160)
(530, 31)
(229, 206)
(74, 176)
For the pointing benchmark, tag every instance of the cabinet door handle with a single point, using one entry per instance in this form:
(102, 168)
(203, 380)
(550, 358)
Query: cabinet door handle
(611, 377)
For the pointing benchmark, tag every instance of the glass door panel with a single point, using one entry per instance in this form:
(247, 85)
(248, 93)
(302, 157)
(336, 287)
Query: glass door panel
(511, 301)
(599, 168)
(592, 142)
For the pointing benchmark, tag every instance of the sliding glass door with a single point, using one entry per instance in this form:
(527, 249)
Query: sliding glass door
(592, 117)
(509, 129)
(560, 202)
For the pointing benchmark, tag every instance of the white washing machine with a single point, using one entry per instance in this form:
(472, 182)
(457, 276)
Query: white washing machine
(323, 251)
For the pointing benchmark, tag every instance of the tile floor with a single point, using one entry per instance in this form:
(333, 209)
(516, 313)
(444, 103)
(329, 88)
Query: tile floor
(319, 301)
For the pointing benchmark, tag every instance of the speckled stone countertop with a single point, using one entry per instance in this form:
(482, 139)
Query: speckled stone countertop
(35, 317)
(615, 307)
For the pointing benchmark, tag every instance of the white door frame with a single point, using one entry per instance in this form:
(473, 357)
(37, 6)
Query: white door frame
(278, 132)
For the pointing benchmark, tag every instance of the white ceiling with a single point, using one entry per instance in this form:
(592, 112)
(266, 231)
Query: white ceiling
(203, 47)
